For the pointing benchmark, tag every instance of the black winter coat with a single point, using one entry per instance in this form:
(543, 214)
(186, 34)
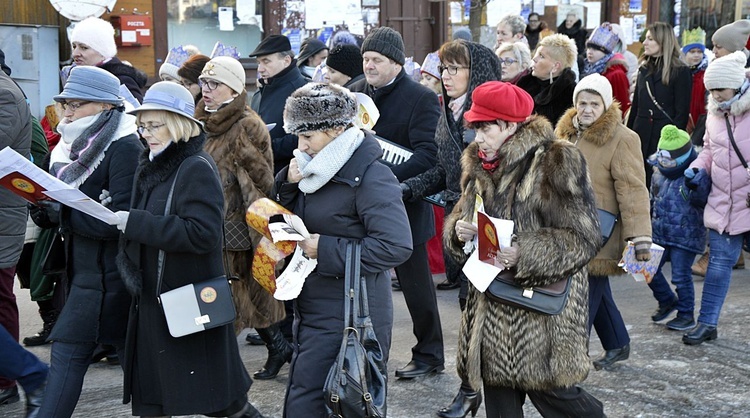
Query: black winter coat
(449, 136)
(268, 102)
(361, 202)
(96, 309)
(577, 33)
(646, 119)
(550, 100)
(131, 77)
(409, 114)
(199, 373)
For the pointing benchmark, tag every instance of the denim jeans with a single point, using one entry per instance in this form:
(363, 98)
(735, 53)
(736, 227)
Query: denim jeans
(68, 365)
(725, 250)
(604, 315)
(682, 279)
(18, 363)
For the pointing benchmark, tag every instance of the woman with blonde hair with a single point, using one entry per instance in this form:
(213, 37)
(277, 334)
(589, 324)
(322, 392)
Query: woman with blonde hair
(515, 60)
(551, 81)
(662, 91)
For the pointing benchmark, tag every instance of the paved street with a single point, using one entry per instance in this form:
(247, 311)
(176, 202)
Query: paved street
(663, 378)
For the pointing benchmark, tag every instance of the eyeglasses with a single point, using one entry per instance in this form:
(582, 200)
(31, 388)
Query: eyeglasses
(507, 61)
(452, 69)
(663, 158)
(151, 129)
(533, 21)
(73, 106)
(210, 84)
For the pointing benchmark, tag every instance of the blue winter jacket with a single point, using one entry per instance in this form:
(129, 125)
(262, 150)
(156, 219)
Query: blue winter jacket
(674, 221)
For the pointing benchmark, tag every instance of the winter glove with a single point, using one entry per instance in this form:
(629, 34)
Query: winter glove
(691, 172)
(405, 192)
(700, 188)
(122, 221)
(642, 248)
(105, 198)
(45, 214)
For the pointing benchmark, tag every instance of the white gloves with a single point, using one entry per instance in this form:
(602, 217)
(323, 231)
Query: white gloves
(104, 198)
(122, 221)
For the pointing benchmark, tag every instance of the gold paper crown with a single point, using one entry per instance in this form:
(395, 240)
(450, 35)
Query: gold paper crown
(695, 36)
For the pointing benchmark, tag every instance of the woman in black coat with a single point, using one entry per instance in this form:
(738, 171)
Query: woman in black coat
(199, 373)
(343, 193)
(98, 150)
(670, 84)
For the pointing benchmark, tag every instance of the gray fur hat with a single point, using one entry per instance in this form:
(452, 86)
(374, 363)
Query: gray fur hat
(386, 41)
(318, 107)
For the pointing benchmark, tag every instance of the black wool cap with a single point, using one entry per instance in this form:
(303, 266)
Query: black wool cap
(272, 45)
(386, 41)
(345, 59)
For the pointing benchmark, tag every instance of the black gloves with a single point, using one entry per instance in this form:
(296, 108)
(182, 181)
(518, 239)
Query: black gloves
(45, 214)
(405, 191)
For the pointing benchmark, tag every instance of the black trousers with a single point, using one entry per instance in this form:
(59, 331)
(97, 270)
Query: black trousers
(419, 292)
(604, 315)
(572, 402)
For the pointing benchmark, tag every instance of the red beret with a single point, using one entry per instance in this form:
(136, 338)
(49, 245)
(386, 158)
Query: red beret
(495, 100)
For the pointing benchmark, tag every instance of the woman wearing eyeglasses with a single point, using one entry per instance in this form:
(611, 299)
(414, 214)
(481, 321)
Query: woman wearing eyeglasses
(464, 66)
(200, 373)
(98, 150)
(239, 142)
(551, 81)
(614, 160)
(515, 61)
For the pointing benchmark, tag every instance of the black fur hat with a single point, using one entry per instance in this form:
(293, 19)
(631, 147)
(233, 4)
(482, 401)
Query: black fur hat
(317, 107)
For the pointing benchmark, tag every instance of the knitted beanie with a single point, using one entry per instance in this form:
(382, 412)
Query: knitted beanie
(386, 41)
(516, 105)
(318, 107)
(226, 70)
(193, 67)
(345, 59)
(727, 72)
(674, 140)
(733, 36)
(597, 83)
(169, 70)
(97, 34)
(462, 33)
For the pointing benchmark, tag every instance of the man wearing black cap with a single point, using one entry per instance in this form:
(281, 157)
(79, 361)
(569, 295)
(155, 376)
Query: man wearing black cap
(279, 78)
(409, 114)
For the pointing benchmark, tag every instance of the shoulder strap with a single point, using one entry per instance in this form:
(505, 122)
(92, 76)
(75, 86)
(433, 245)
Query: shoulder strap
(167, 210)
(734, 144)
(658, 106)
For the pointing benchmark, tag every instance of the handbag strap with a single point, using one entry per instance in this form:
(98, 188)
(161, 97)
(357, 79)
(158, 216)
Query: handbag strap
(167, 211)
(658, 106)
(734, 144)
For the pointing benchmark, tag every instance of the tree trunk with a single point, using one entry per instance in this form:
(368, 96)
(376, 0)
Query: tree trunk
(475, 18)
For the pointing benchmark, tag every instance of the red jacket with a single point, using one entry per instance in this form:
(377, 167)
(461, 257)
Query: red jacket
(616, 71)
(698, 97)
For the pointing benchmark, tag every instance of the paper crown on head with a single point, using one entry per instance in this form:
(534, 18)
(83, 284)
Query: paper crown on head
(177, 56)
(603, 38)
(221, 50)
(412, 69)
(430, 65)
(695, 38)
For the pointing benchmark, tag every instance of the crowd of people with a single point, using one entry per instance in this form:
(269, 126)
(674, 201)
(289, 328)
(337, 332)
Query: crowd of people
(549, 130)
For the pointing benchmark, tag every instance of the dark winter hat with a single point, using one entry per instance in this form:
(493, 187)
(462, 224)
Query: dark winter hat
(345, 59)
(386, 41)
(516, 105)
(309, 48)
(93, 84)
(674, 140)
(193, 67)
(317, 107)
(733, 36)
(272, 45)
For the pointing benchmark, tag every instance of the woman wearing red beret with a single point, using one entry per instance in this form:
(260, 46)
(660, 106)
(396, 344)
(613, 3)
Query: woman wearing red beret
(523, 173)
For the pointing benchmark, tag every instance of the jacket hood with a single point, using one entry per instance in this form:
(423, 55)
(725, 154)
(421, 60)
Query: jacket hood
(599, 133)
(485, 66)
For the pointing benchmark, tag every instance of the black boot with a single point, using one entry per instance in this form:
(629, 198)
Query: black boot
(248, 411)
(466, 401)
(49, 317)
(279, 352)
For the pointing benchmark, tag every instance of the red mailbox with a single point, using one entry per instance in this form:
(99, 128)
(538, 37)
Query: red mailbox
(132, 30)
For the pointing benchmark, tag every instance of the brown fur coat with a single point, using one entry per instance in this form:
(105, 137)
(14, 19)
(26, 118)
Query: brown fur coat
(615, 164)
(239, 142)
(557, 235)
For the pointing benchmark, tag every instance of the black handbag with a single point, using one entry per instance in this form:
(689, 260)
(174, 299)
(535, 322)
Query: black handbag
(54, 259)
(545, 300)
(237, 236)
(607, 222)
(356, 383)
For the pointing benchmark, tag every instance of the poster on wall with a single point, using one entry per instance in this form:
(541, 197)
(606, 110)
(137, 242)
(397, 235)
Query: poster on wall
(635, 6)
(538, 7)
(496, 10)
(627, 30)
(593, 14)
(564, 10)
(639, 25)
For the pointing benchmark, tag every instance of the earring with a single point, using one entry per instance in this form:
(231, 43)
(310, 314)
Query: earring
(551, 77)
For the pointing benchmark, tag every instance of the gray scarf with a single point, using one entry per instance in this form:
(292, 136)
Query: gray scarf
(318, 171)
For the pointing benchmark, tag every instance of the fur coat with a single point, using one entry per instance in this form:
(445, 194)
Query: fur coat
(557, 233)
(613, 155)
(239, 143)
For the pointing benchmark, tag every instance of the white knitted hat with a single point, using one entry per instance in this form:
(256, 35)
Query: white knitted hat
(597, 83)
(727, 72)
(97, 34)
(226, 70)
(170, 70)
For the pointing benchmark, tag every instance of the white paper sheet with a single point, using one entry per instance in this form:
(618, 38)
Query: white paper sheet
(245, 12)
(479, 273)
(291, 281)
(226, 18)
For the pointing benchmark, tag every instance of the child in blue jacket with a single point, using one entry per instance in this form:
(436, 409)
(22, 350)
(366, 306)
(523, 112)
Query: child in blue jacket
(677, 225)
